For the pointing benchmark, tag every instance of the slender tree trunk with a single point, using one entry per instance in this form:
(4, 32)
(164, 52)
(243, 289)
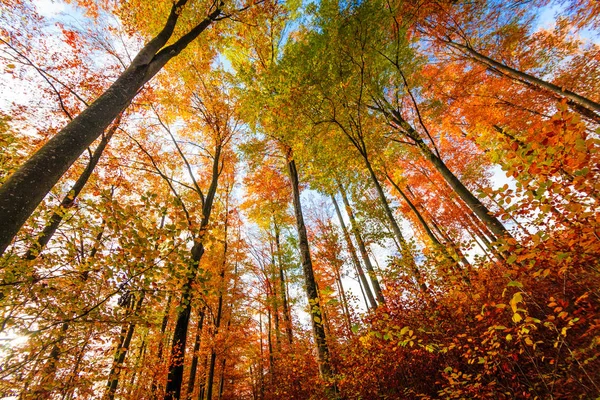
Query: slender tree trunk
(194, 366)
(270, 346)
(482, 212)
(287, 318)
(312, 290)
(57, 216)
(121, 352)
(402, 244)
(361, 274)
(262, 357)
(343, 301)
(222, 288)
(362, 248)
(23, 191)
(161, 344)
(275, 299)
(529, 80)
(222, 379)
(178, 346)
(434, 241)
(202, 388)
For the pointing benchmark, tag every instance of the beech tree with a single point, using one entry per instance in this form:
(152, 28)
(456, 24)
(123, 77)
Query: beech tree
(377, 199)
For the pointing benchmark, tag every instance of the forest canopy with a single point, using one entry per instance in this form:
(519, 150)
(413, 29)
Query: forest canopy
(271, 199)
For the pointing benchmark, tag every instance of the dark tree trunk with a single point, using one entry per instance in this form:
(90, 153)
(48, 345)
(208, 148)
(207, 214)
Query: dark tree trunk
(194, 366)
(222, 288)
(222, 379)
(361, 274)
(23, 191)
(178, 346)
(48, 373)
(312, 290)
(140, 356)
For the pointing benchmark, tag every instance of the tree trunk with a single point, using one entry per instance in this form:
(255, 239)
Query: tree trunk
(222, 379)
(461, 190)
(361, 274)
(222, 286)
(312, 290)
(44, 237)
(23, 191)
(362, 248)
(529, 80)
(178, 346)
(48, 373)
(194, 366)
(140, 356)
(402, 244)
(434, 241)
(275, 299)
(343, 300)
(161, 345)
(121, 352)
(287, 317)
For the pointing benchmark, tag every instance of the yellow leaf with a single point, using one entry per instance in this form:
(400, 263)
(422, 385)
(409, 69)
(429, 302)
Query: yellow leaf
(517, 318)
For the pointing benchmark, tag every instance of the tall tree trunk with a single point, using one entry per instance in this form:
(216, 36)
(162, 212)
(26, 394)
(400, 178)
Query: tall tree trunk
(343, 300)
(482, 212)
(434, 241)
(270, 347)
(121, 352)
(530, 80)
(194, 366)
(23, 191)
(361, 274)
(179, 342)
(222, 378)
(312, 290)
(275, 298)
(57, 216)
(402, 244)
(178, 346)
(161, 345)
(361, 247)
(287, 317)
(222, 288)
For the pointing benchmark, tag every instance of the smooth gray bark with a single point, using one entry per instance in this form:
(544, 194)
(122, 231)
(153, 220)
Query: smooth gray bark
(23, 191)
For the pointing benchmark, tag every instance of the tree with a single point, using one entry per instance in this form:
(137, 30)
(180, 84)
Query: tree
(21, 193)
